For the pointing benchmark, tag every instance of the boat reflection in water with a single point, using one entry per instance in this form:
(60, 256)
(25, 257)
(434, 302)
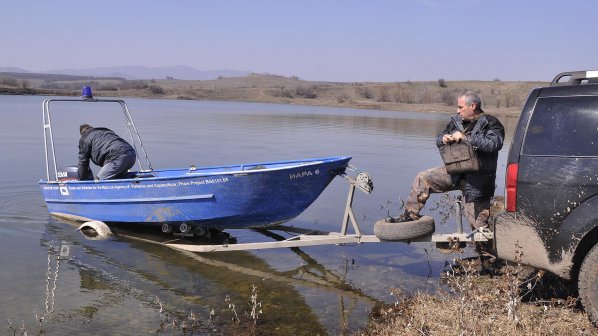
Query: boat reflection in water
(130, 274)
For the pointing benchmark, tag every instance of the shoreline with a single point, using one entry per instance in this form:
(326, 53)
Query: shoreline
(362, 105)
(498, 98)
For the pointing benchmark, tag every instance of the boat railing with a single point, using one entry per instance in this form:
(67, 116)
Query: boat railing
(50, 152)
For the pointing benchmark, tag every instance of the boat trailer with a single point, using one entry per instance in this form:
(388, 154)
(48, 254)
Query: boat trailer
(306, 237)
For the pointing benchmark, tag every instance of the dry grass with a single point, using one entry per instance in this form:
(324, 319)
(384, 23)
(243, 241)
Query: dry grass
(193, 323)
(508, 301)
(502, 98)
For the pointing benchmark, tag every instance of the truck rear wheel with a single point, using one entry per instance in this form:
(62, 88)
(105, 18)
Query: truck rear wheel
(588, 284)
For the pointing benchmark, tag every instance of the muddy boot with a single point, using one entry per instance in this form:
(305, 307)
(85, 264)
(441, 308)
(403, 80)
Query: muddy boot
(406, 217)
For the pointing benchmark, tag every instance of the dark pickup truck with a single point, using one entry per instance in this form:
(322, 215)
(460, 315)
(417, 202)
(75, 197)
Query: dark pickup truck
(551, 198)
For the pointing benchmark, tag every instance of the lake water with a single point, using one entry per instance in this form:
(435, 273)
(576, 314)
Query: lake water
(126, 287)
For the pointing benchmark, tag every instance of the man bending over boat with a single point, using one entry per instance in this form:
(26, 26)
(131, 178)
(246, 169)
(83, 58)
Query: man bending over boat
(106, 150)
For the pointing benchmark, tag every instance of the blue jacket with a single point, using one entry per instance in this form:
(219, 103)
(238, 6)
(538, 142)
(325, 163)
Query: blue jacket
(487, 137)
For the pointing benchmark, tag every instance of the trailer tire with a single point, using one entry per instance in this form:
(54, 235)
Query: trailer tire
(404, 230)
(588, 284)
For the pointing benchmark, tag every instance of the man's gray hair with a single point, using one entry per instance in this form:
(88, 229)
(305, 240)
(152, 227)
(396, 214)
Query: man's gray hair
(472, 98)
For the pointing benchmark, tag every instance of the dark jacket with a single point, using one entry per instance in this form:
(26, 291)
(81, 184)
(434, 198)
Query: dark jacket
(487, 137)
(101, 145)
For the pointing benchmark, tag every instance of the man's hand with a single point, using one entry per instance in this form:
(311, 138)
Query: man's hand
(455, 137)
(458, 136)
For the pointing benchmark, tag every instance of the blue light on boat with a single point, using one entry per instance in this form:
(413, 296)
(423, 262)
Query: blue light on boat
(87, 92)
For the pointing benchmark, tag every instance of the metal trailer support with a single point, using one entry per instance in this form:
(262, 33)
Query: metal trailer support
(306, 237)
(50, 153)
(478, 235)
(459, 239)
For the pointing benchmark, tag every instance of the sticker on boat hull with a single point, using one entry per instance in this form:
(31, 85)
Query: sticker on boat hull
(302, 174)
(64, 191)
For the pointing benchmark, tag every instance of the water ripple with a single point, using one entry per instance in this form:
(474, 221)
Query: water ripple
(22, 207)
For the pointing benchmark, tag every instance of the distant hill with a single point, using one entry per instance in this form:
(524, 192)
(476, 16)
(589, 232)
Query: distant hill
(13, 69)
(49, 77)
(143, 72)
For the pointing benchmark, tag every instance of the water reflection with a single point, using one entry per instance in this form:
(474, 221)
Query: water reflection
(358, 124)
(132, 268)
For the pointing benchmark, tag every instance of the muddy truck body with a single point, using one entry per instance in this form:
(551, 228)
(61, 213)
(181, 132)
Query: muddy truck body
(550, 219)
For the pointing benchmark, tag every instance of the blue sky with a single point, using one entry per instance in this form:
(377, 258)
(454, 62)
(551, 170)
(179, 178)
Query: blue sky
(315, 40)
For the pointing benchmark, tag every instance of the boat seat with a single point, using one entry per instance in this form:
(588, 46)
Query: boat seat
(133, 175)
(258, 167)
(144, 175)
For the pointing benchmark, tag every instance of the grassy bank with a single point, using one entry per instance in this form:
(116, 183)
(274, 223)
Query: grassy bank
(499, 97)
(494, 300)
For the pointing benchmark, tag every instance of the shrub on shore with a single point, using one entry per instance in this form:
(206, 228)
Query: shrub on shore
(506, 301)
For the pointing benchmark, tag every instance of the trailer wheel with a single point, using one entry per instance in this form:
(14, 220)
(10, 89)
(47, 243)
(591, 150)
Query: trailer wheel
(588, 284)
(404, 230)
(166, 228)
(184, 228)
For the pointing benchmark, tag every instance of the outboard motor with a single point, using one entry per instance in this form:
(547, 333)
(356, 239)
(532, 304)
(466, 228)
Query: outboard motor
(68, 173)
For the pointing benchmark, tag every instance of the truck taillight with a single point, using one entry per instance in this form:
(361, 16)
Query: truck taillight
(511, 187)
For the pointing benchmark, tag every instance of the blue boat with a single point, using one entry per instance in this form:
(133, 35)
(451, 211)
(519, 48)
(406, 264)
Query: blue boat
(255, 195)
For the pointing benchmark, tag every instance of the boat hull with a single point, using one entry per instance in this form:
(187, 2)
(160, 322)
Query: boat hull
(240, 196)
